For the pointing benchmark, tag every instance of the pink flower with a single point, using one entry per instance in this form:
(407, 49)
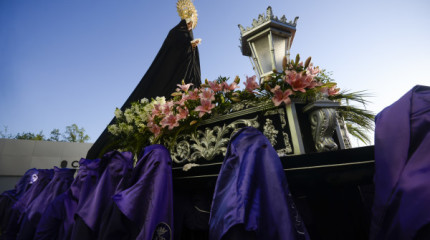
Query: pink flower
(228, 88)
(181, 102)
(184, 87)
(313, 84)
(182, 113)
(158, 109)
(298, 82)
(207, 94)
(193, 95)
(205, 107)
(280, 96)
(215, 86)
(169, 121)
(330, 91)
(251, 84)
(167, 108)
(313, 71)
(154, 128)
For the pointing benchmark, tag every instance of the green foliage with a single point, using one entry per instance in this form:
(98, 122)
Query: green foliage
(359, 121)
(75, 134)
(4, 133)
(30, 136)
(55, 135)
(72, 134)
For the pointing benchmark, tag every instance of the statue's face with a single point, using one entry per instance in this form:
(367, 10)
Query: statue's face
(190, 25)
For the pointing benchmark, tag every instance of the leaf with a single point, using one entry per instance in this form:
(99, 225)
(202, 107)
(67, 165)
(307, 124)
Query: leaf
(176, 94)
(308, 61)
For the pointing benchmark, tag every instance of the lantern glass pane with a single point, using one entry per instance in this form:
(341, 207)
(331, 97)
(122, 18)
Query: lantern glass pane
(279, 44)
(263, 52)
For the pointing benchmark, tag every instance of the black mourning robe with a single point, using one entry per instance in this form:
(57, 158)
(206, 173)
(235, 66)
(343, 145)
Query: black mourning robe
(176, 61)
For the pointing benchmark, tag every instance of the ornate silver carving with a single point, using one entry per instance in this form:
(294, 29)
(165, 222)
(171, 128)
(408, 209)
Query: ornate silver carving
(343, 131)
(270, 132)
(323, 123)
(208, 143)
(288, 149)
(262, 19)
(244, 105)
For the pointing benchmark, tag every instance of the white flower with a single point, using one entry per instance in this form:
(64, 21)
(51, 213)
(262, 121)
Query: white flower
(160, 100)
(142, 126)
(113, 129)
(118, 113)
(144, 101)
(128, 115)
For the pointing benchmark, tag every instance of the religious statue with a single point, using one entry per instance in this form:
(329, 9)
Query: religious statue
(176, 61)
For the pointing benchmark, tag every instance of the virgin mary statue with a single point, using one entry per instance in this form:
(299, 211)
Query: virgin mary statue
(177, 60)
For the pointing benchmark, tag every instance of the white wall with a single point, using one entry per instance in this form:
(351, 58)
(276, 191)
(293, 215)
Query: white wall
(17, 156)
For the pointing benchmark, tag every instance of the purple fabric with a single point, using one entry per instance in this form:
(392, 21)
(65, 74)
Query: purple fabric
(113, 179)
(44, 176)
(402, 167)
(63, 178)
(149, 201)
(8, 198)
(61, 181)
(58, 219)
(252, 191)
(90, 177)
(21, 186)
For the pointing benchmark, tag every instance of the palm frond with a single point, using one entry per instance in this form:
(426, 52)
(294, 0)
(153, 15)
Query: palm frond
(359, 121)
(359, 133)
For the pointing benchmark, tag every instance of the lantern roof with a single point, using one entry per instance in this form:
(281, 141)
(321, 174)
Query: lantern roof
(262, 23)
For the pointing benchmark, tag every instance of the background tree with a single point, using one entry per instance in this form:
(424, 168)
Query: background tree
(4, 133)
(72, 134)
(75, 134)
(30, 136)
(55, 135)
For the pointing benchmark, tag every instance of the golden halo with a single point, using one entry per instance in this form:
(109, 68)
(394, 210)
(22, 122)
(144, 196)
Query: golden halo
(186, 10)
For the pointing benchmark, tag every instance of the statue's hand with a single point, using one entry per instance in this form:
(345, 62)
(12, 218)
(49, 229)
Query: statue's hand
(196, 42)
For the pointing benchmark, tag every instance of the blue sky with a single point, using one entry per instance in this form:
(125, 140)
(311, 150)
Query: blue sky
(64, 62)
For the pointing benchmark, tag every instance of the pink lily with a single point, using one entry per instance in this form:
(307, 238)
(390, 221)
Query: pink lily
(298, 82)
(330, 91)
(215, 86)
(182, 113)
(154, 128)
(158, 109)
(181, 102)
(228, 88)
(207, 94)
(193, 95)
(251, 84)
(167, 108)
(205, 107)
(281, 96)
(184, 87)
(169, 121)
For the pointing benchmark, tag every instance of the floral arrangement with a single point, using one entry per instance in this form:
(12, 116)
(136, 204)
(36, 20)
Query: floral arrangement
(160, 120)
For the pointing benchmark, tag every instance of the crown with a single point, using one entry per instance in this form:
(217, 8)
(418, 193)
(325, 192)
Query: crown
(187, 11)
